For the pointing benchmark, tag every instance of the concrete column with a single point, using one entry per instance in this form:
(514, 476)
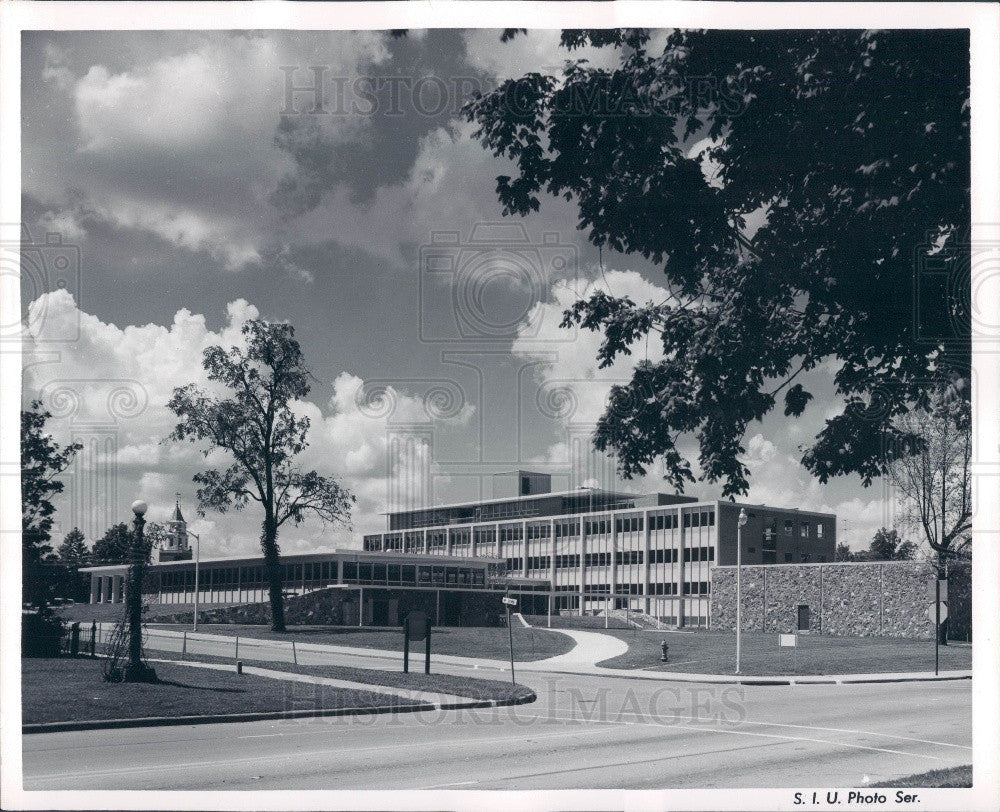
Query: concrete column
(448, 543)
(93, 588)
(524, 549)
(681, 569)
(552, 564)
(645, 560)
(426, 543)
(108, 579)
(614, 558)
(583, 560)
(340, 570)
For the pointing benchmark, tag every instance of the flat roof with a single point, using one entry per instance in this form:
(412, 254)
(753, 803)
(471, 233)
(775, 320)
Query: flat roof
(575, 492)
(383, 555)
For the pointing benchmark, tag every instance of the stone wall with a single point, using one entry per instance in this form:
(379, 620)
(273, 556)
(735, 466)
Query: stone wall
(887, 599)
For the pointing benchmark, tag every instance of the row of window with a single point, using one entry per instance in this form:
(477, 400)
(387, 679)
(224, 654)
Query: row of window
(539, 562)
(690, 588)
(622, 557)
(705, 518)
(769, 557)
(538, 531)
(245, 576)
(567, 529)
(804, 528)
(510, 532)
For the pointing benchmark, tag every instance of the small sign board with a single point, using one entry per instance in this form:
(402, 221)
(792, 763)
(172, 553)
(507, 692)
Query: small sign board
(509, 601)
(416, 625)
(931, 614)
(790, 640)
(932, 590)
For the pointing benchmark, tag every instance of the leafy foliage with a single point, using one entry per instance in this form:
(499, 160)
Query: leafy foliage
(114, 547)
(257, 426)
(73, 551)
(42, 460)
(830, 163)
(886, 545)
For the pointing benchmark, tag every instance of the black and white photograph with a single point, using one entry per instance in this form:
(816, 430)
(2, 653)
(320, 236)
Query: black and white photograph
(500, 406)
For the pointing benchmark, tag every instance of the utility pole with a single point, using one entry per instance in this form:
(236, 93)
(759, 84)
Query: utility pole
(739, 595)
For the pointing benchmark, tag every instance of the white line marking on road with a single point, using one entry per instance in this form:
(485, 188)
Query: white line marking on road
(452, 784)
(709, 729)
(327, 751)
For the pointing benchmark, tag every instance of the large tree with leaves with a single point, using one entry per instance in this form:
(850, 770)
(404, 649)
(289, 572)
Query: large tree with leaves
(256, 424)
(42, 460)
(73, 551)
(824, 218)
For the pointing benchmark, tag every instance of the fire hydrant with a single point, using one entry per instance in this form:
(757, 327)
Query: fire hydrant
(664, 648)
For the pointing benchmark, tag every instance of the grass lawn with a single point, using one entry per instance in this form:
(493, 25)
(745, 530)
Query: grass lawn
(709, 652)
(951, 778)
(470, 687)
(463, 641)
(584, 623)
(72, 689)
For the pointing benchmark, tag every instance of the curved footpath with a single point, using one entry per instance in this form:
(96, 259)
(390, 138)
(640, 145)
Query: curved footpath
(590, 649)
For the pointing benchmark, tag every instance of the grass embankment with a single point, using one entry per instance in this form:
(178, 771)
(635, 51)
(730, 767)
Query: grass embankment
(465, 641)
(951, 778)
(470, 687)
(73, 689)
(708, 652)
(85, 613)
(584, 623)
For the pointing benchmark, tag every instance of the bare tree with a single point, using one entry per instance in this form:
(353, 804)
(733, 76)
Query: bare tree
(934, 484)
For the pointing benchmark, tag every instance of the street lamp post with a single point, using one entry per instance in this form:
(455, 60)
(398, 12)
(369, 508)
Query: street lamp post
(135, 669)
(197, 563)
(739, 595)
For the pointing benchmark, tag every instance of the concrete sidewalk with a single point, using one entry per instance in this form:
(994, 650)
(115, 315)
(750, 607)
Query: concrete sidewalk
(590, 649)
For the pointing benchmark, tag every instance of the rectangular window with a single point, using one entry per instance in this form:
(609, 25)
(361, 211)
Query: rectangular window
(804, 530)
(819, 531)
(788, 527)
(687, 519)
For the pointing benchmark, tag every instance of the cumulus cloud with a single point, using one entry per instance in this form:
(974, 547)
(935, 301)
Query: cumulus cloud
(110, 388)
(569, 379)
(183, 145)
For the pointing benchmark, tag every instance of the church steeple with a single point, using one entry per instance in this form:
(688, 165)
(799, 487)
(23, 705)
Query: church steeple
(175, 546)
(177, 517)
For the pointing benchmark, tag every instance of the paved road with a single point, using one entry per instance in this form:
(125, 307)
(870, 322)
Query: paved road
(584, 732)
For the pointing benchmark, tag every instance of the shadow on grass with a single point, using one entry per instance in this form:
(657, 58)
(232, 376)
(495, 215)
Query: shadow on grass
(214, 689)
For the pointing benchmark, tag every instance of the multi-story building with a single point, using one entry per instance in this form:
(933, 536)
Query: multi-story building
(599, 549)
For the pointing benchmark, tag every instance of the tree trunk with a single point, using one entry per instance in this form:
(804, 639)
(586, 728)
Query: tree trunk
(273, 566)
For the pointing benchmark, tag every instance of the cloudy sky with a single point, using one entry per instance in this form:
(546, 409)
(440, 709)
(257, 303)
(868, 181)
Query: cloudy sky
(191, 190)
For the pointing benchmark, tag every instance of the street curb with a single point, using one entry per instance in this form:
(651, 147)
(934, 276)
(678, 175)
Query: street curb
(213, 718)
(715, 679)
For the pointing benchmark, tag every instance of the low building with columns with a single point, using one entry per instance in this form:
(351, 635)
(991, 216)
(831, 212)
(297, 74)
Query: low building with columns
(584, 551)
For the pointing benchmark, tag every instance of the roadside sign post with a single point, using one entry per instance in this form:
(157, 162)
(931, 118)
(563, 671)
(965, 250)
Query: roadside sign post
(417, 627)
(789, 641)
(406, 647)
(937, 613)
(508, 602)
